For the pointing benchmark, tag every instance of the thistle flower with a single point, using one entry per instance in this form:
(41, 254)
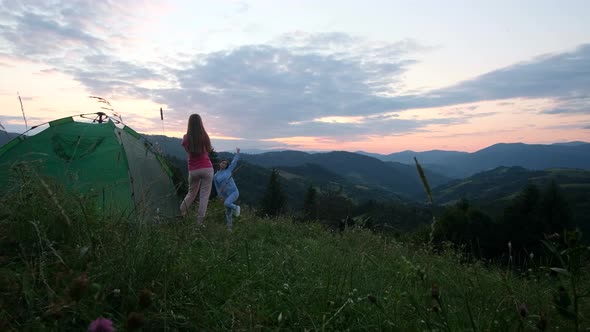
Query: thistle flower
(523, 311)
(542, 323)
(435, 306)
(101, 325)
(79, 286)
(434, 292)
(134, 321)
(145, 298)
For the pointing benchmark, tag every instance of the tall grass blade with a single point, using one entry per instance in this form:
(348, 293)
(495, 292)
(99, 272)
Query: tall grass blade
(424, 180)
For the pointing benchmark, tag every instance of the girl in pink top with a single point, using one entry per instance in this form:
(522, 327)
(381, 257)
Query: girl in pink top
(197, 145)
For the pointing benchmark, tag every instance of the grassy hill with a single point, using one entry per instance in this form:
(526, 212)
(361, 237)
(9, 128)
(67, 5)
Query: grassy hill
(61, 273)
(359, 169)
(492, 189)
(295, 180)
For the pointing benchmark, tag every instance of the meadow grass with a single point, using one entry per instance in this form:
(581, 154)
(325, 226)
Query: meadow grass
(63, 264)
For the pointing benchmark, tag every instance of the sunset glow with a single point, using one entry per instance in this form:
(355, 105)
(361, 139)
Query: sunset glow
(315, 79)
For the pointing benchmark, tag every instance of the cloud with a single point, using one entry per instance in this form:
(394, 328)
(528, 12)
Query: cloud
(577, 104)
(76, 38)
(262, 85)
(281, 88)
(557, 75)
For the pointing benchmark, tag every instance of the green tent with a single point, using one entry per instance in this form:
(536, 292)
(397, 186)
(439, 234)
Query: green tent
(105, 159)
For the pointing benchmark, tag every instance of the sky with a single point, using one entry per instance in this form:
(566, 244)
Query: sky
(376, 76)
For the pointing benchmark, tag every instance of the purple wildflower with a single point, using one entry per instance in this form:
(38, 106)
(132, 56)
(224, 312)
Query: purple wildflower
(523, 311)
(101, 324)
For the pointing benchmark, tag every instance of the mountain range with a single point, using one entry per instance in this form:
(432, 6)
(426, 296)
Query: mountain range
(450, 164)
(457, 164)
(395, 175)
(6, 136)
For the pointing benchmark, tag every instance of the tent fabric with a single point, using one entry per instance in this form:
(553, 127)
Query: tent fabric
(117, 166)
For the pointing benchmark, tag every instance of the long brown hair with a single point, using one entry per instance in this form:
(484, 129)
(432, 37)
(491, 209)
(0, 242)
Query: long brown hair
(197, 139)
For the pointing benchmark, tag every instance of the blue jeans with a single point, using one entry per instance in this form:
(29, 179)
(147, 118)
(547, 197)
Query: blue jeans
(230, 207)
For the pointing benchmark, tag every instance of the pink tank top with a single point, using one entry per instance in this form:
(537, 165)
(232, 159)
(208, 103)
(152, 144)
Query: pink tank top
(196, 160)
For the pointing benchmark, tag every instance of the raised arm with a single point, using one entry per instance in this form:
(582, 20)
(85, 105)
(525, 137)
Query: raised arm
(234, 161)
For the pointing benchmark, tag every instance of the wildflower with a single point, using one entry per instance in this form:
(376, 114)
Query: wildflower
(372, 298)
(145, 298)
(563, 298)
(101, 325)
(434, 291)
(542, 324)
(523, 311)
(79, 286)
(134, 321)
(435, 306)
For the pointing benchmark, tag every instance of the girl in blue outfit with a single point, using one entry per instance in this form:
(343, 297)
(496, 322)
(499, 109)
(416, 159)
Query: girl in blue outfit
(226, 187)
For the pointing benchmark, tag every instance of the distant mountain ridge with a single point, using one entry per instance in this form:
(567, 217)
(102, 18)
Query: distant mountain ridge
(6, 136)
(530, 156)
(358, 169)
(452, 164)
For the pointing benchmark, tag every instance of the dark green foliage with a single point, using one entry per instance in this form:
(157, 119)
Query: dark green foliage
(266, 275)
(310, 204)
(555, 210)
(466, 226)
(493, 190)
(335, 209)
(214, 157)
(274, 202)
(179, 174)
(355, 168)
(530, 216)
(392, 217)
(215, 161)
(535, 213)
(523, 218)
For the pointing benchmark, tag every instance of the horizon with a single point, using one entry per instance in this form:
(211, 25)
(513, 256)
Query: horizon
(259, 151)
(380, 76)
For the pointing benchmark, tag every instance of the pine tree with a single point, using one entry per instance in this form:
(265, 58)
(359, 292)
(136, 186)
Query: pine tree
(555, 211)
(310, 204)
(214, 157)
(274, 201)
